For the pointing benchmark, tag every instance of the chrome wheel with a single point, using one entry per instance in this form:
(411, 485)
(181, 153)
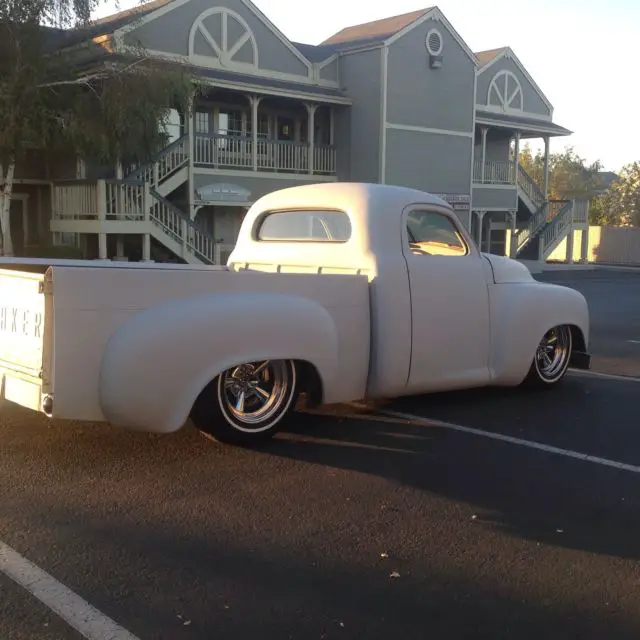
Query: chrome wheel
(254, 396)
(553, 354)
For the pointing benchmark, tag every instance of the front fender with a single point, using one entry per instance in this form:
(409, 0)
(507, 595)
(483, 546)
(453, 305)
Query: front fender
(520, 315)
(155, 366)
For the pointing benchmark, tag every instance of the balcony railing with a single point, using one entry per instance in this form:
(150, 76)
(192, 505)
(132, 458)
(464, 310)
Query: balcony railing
(494, 172)
(227, 152)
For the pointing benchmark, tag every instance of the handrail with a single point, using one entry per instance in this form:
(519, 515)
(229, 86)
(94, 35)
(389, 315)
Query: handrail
(177, 225)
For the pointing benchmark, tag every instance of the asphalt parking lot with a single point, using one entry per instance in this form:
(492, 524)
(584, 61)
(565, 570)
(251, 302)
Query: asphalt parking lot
(466, 515)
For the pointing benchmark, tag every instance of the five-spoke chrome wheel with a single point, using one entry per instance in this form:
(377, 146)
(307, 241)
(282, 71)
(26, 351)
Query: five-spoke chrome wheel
(251, 394)
(552, 357)
(247, 402)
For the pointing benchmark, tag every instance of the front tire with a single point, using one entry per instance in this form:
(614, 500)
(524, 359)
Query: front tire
(248, 403)
(552, 357)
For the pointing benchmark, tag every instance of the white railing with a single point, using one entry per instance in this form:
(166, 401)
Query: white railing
(528, 185)
(494, 172)
(557, 230)
(169, 160)
(123, 200)
(271, 155)
(75, 201)
(581, 211)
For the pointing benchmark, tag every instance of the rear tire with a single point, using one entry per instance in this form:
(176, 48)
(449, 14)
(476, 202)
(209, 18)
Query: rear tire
(551, 360)
(247, 404)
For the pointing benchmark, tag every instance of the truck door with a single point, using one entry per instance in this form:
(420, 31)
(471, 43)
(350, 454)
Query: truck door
(449, 302)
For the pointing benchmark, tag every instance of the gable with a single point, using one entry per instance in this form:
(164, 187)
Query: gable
(231, 35)
(505, 86)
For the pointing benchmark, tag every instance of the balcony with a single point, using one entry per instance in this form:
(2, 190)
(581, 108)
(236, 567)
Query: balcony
(494, 173)
(238, 153)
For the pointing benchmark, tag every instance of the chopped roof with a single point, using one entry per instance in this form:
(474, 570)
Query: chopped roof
(485, 57)
(382, 29)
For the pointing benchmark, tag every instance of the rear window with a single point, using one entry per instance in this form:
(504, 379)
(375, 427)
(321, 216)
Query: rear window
(305, 226)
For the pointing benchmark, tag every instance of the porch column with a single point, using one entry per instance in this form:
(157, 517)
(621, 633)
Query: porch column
(483, 131)
(480, 213)
(570, 236)
(311, 130)
(513, 239)
(332, 125)
(190, 124)
(545, 186)
(254, 101)
(516, 156)
(584, 245)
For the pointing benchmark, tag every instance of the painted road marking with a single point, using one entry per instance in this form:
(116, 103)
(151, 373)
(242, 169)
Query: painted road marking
(604, 376)
(75, 611)
(419, 420)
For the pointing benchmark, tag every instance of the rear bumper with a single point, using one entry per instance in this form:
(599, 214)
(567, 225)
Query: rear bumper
(580, 360)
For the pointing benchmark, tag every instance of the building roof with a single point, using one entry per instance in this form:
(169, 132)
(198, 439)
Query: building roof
(485, 57)
(378, 29)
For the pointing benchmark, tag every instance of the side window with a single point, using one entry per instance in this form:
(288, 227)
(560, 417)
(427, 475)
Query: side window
(434, 234)
(305, 226)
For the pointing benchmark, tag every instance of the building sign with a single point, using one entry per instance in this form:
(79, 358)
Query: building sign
(223, 192)
(459, 202)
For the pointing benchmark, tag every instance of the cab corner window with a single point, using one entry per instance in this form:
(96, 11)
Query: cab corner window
(434, 234)
(305, 226)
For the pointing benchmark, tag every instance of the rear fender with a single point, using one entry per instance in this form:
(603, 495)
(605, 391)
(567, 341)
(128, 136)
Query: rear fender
(155, 366)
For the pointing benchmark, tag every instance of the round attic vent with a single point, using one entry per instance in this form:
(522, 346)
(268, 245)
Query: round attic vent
(434, 42)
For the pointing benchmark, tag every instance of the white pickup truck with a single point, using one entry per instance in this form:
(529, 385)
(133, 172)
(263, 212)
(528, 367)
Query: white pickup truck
(340, 291)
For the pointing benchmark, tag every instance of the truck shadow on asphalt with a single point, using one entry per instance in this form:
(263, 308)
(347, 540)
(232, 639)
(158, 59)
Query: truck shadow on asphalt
(526, 493)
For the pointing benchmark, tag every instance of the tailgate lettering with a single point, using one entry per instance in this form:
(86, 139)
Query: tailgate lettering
(21, 321)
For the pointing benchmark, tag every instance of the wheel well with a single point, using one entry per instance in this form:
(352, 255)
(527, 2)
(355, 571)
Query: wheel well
(309, 383)
(577, 337)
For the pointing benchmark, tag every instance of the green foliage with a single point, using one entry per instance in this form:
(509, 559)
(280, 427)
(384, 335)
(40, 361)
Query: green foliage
(620, 204)
(83, 97)
(569, 175)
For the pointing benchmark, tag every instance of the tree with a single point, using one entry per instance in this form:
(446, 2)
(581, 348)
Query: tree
(61, 91)
(569, 175)
(620, 204)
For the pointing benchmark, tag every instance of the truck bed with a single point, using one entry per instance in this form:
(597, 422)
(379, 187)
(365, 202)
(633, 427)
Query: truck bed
(81, 304)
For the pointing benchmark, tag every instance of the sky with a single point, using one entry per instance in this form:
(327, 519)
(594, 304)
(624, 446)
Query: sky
(580, 53)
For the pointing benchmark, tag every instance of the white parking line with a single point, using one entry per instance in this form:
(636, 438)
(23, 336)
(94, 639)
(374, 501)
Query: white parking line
(598, 374)
(75, 611)
(419, 420)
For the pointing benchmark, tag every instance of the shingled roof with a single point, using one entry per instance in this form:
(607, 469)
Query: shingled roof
(378, 29)
(485, 57)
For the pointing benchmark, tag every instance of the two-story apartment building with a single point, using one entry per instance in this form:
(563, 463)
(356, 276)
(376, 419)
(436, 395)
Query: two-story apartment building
(401, 101)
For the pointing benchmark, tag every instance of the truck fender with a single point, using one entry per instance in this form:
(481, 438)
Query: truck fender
(156, 365)
(521, 315)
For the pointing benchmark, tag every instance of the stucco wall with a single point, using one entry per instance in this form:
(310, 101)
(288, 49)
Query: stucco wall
(608, 245)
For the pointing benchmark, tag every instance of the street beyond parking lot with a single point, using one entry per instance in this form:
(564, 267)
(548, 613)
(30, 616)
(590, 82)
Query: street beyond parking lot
(472, 519)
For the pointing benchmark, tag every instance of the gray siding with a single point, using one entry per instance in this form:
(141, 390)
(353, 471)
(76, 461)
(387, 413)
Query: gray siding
(257, 186)
(531, 100)
(330, 72)
(434, 98)
(495, 198)
(431, 162)
(359, 129)
(170, 33)
(497, 149)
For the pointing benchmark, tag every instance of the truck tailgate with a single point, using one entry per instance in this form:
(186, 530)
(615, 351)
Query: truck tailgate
(24, 315)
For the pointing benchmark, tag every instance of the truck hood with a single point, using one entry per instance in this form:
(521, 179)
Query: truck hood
(507, 271)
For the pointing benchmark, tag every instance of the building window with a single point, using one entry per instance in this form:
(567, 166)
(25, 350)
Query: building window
(263, 126)
(305, 226)
(230, 123)
(202, 122)
(434, 234)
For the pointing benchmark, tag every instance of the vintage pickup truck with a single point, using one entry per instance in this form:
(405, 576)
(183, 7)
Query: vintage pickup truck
(339, 292)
